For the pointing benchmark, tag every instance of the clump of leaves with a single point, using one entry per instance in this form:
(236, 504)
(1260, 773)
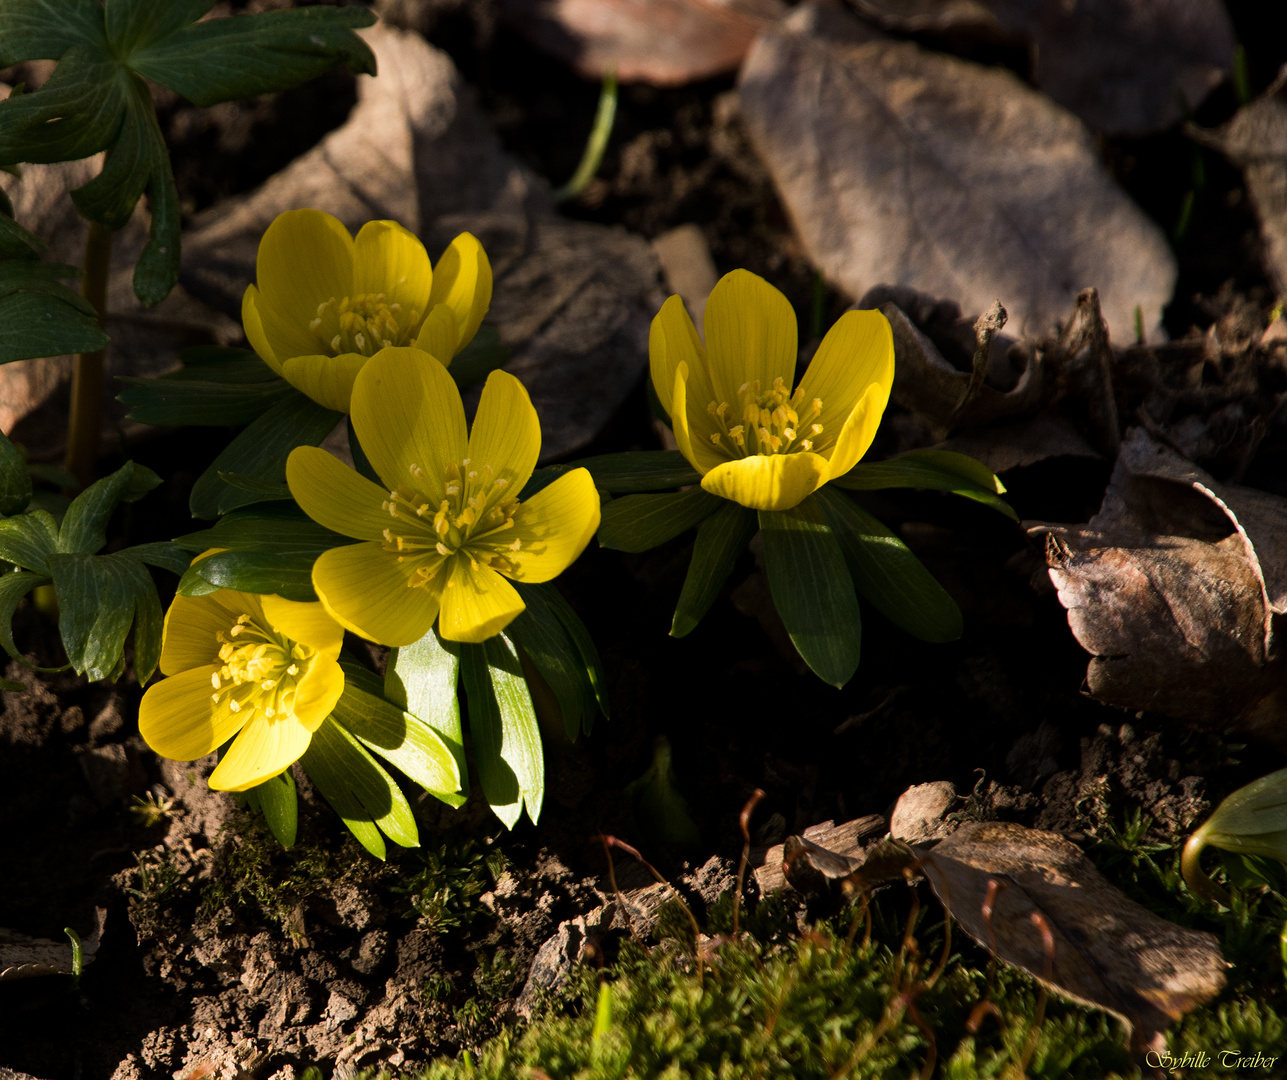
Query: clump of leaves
(442, 892)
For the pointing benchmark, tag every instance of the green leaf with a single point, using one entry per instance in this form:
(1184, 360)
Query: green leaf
(640, 522)
(99, 597)
(540, 633)
(479, 358)
(261, 451)
(888, 574)
(28, 540)
(359, 790)
(84, 527)
(936, 470)
(40, 316)
(46, 29)
(267, 490)
(162, 553)
(132, 23)
(277, 800)
(15, 480)
(268, 528)
(401, 739)
(721, 538)
(289, 576)
(422, 679)
(13, 587)
(507, 737)
(243, 56)
(77, 112)
(812, 590)
(220, 364)
(650, 470)
(188, 400)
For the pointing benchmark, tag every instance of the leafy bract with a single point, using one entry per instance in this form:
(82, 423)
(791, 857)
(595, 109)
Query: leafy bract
(39, 316)
(96, 99)
(100, 597)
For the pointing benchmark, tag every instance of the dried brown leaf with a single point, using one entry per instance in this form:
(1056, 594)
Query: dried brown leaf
(1175, 587)
(1108, 951)
(1256, 140)
(901, 164)
(837, 850)
(1126, 67)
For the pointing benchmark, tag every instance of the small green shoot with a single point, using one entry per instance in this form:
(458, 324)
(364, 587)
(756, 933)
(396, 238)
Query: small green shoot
(595, 146)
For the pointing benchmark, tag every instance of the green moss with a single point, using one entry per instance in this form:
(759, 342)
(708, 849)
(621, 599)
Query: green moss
(442, 885)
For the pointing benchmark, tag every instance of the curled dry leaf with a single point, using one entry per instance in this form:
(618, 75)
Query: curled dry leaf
(1176, 586)
(23, 957)
(662, 42)
(1107, 950)
(1256, 140)
(902, 164)
(823, 852)
(1126, 67)
(572, 300)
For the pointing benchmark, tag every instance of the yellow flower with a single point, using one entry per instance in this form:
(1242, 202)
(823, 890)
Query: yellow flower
(447, 530)
(734, 414)
(326, 302)
(258, 667)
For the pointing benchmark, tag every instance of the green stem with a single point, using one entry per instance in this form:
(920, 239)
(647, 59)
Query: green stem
(86, 418)
(592, 158)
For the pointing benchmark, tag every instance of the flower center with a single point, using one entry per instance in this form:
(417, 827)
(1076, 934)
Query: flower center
(364, 324)
(471, 520)
(261, 669)
(766, 423)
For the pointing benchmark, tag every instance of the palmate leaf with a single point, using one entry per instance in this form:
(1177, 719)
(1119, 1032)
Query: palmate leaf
(934, 470)
(96, 98)
(40, 316)
(100, 597)
(422, 678)
(15, 480)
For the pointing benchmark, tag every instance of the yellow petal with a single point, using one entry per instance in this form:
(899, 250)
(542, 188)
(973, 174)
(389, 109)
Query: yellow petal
(463, 281)
(692, 427)
(178, 720)
(673, 340)
(477, 604)
(262, 750)
(438, 335)
(188, 639)
(858, 430)
(328, 380)
(305, 258)
(554, 526)
(768, 481)
(319, 691)
(365, 590)
(390, 259)
(407, 411)
(750, 335)
(305, 622)
(336, 496)
(507, 433)
(858, 352)
(285, 335)
(254, 327)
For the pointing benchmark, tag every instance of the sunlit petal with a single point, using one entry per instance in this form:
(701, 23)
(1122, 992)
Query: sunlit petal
(367, 590)
(254, 327)
(391, 260)
(463, 281)
(673, 340)
(328, 380)
(318, 692)
(554, 526)
(305, 622)
(858, 352)
(692, 427)
(438, 334)
(859, 430)
(506, 433)
(305, 258)
(477, 603)
(334, 495)
(178, 720)
(407, 411)
(768, 481)
(262, 750)
(750, 335)
(192, 623)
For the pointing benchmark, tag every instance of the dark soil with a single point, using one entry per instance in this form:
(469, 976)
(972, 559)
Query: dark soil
(220, 951)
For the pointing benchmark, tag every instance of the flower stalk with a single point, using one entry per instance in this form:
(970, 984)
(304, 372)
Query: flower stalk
(86, 417)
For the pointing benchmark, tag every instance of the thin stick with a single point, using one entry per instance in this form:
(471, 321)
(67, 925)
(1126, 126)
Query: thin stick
(86, 418)
(745, 821)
